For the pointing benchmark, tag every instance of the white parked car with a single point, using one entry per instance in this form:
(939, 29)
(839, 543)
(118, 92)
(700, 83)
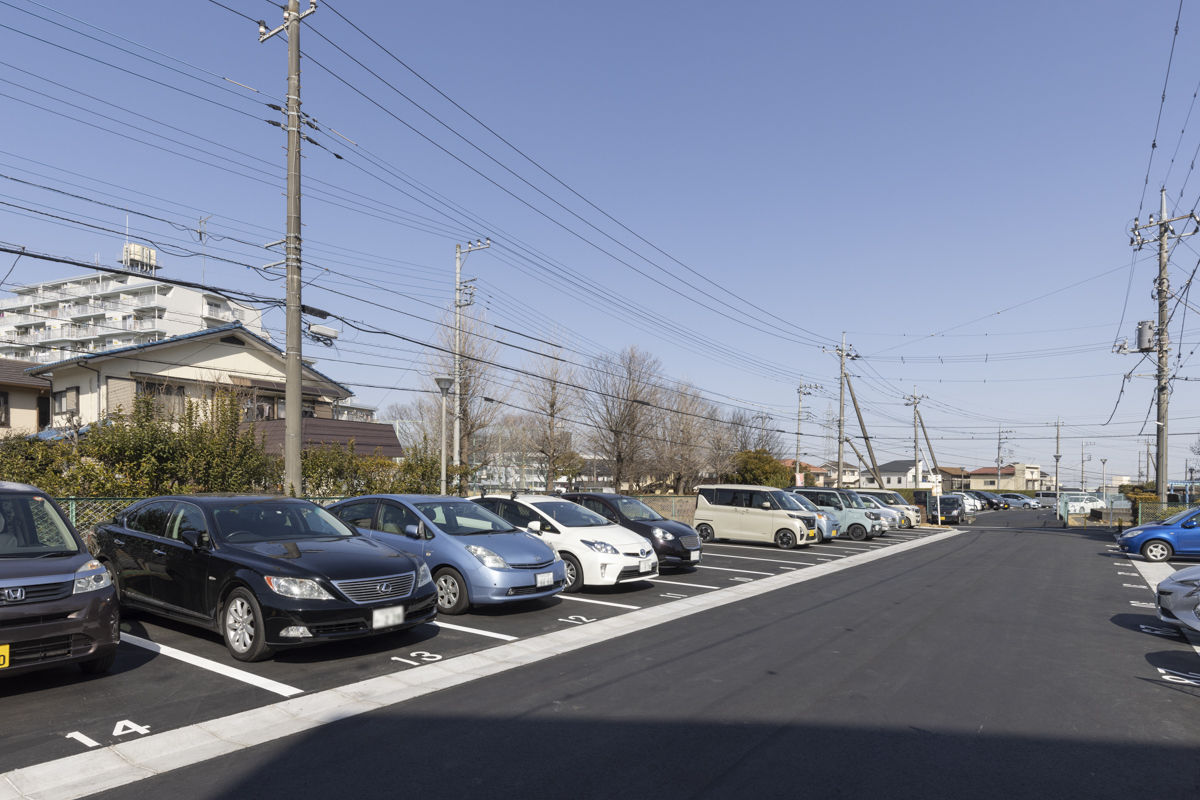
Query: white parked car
(970, 502)
(1082, 503)
(594, 551)
(891, 517)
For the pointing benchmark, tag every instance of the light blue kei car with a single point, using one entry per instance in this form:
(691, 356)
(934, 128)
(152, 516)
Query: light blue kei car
(476, 557)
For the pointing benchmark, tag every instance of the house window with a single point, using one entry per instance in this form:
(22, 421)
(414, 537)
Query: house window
(989, 483)
(168, 400)
(214, 309)
(66, 401)
(889, 480)
(5, 419)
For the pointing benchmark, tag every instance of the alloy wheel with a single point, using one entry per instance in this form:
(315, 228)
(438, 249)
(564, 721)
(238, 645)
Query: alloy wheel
(570, 573)
(239, 622)
(448, 591)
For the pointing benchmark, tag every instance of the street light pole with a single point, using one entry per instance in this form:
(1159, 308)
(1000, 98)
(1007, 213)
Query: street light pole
(444, 382)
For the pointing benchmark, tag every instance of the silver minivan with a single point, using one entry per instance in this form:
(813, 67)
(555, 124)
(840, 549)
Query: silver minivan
(856, 520)
(753, 514)
(911, 515)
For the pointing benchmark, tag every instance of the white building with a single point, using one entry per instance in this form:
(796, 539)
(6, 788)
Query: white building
(900, 474)
(54, 320)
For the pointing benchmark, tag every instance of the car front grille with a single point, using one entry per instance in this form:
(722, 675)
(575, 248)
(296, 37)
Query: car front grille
(810, 523)
(40, 619)
(41, 592)
(638, 554)
(534, 589)
(539, 565)
(337, 627)
(690, 542)
(371, 590)
(632, 572)
(31, 652)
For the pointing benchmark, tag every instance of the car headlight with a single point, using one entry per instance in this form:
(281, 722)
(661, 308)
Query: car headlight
(486, 556)
(554, 556)
(297, 588)
(602, 547)
(872, 515)
(662, 535)
(91, 576)
(821, 516)
(796, 516)
(423, 576)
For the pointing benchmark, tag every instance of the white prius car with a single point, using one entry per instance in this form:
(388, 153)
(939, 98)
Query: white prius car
(594, 551)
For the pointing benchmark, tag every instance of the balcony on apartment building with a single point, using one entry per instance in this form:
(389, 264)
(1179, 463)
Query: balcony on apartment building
(215, 313)
(68, 292)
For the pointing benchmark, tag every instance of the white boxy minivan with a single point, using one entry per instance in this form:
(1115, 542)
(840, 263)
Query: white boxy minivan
(753, 514)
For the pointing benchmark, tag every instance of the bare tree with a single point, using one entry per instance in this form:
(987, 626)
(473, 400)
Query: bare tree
(683, 427)
(623, 388)
(552, 399)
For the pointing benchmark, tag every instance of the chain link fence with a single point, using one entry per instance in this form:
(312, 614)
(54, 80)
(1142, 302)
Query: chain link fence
(676, 507)
(1152, 511)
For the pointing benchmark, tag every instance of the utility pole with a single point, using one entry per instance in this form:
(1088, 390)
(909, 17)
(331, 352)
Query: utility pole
(203, 231)
(801, 390)
(999, 441)
(866, 437)
(841, 352)
(1103, 474)
(1057, 453)
(1083, 459)
(914, 400)
(293, 399)
(459, 304)
(1163, 291)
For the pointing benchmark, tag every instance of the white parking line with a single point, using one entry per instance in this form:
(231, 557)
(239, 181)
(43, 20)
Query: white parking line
(774, 560)
(692, 585)
(145, 757)
(450, 627)
(213, 666)
(597, 602)
(742, 547)
(727, 569)
(839, 547)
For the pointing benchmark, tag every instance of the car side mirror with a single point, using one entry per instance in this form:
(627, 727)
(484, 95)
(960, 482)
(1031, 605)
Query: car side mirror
(534, 527)
(1191, 523)
(766, 506)
(412, 531)
(191, 538)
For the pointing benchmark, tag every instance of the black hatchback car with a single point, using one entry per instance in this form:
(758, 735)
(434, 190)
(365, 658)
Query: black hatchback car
(264, 572)
(675, 543)
(57, 602)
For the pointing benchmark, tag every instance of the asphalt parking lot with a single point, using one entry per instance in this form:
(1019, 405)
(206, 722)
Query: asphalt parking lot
(1013, 658)
(191, 677)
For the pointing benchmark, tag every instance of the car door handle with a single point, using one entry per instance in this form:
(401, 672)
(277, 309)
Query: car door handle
(158, 552)
(118, 541)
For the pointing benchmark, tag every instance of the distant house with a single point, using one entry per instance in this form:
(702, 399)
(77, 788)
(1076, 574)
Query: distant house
(899, 474)
(1016, 477)
(850, 473)
(24, 399)
(194, 366)
(955, 479)
(819, 473)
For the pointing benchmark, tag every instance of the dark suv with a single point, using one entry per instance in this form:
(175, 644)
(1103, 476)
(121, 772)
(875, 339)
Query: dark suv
(675, 543)
(57, 604)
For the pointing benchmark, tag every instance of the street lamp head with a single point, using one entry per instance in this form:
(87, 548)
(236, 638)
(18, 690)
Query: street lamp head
(444, 383)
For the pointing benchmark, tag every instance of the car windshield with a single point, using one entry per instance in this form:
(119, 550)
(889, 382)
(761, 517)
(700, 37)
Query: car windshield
(1177, 518)
(889, 498)
(852, 499)
(570, 515)
(950, 501)
(30, 527)
(787, 500)
(636, 510)
(463, 518)
(803, 502)
(277, 520)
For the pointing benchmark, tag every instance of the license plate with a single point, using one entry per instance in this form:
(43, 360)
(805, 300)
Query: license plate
(3, 656)
(644, 566)
(544, 579)
(387, 617)
(695, 556)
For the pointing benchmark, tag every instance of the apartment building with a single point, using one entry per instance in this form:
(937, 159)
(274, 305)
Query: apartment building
(55, 320)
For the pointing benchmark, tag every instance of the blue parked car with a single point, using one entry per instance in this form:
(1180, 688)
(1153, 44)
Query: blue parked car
(475, 556)
(1158, 541)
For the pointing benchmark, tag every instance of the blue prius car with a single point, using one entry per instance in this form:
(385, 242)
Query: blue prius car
(476, 557)
(1158, 541)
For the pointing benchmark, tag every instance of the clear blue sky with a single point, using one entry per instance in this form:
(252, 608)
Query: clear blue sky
(887, 170)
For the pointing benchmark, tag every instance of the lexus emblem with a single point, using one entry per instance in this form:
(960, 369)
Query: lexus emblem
(14, 595)
(384, 588)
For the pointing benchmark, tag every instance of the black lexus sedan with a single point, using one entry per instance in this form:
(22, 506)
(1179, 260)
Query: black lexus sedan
(264, 572)
(675, 543)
